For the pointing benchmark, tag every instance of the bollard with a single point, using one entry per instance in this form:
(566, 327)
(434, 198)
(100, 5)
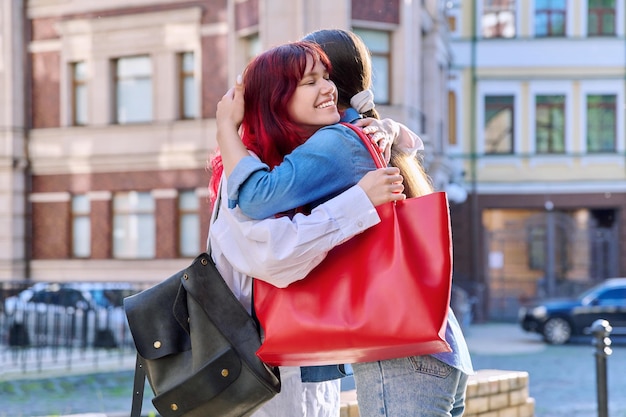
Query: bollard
(601, 330)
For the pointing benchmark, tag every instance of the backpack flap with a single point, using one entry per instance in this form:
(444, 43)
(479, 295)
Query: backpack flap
(157, 318)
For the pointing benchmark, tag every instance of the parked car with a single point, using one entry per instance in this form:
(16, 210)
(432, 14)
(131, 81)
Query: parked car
(83, 314)
(558, 320)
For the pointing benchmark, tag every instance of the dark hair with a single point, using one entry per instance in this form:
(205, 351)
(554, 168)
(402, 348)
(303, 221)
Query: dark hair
(352, 73)
(351, 61)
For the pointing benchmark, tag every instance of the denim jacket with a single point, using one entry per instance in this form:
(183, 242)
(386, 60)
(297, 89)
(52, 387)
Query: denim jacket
(329, 162)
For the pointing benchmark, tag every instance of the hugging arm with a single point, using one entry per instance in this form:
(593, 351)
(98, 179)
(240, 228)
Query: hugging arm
(282, 250)
(329, 162)
(228, 120)
(395, 134)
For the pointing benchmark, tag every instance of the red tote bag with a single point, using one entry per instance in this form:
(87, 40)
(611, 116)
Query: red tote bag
(383, 294)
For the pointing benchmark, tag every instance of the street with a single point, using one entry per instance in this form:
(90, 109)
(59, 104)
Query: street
(562, 378)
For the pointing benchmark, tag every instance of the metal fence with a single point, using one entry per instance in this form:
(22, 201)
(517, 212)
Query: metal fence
(63, 325)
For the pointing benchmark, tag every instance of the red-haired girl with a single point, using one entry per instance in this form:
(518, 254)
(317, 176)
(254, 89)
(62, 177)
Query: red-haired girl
(282, 250)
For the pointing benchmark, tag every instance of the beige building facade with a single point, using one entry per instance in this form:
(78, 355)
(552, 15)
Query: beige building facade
(107, 118)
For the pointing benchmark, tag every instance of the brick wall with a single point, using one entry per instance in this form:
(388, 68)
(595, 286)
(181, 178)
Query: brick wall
(52, 236)
(490, 393)
(51, 220)
(385, 11)
(498, 393)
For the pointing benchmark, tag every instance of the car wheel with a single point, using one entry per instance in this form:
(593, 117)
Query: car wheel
(557, 331)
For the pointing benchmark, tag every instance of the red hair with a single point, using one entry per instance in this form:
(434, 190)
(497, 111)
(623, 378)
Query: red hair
(270, 81)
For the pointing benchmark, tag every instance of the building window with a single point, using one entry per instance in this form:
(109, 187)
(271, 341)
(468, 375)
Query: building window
(253, 46)
(79, 94)
(538, 249)
(550, 17)
(81, 226)
(550, 124)
(379, 44)
(133, 225)
(452, 26)
(601, 123)
(189, 227)
(601, 18)
(188, 90)
(133, 90)
(452, 128)
(499, 118)
(498, 20)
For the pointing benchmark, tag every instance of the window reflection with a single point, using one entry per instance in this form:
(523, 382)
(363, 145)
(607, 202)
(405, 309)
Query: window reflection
(133, 90)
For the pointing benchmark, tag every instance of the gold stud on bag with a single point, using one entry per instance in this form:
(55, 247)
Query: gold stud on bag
(196, 346)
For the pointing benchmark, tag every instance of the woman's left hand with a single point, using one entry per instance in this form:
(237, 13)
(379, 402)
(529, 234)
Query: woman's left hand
(380, 133)
(230, 107)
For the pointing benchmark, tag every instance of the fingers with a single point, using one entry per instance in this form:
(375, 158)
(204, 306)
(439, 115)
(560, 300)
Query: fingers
(397, 197)
(392, 174)
(365, 122)
(230, 93)
(234, 90)
(378, 137)
(394, 181)
(383, 185)
(370, 129)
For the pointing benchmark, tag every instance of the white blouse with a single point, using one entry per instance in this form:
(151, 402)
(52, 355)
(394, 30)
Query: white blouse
(283, 250)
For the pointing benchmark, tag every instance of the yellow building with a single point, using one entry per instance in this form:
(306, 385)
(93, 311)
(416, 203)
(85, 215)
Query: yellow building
(537, 115)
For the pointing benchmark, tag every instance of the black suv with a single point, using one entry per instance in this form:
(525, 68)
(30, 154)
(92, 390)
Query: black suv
(558, 320)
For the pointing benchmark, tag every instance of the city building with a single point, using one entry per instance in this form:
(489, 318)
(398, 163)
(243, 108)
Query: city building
(537, 115)
(108, 109)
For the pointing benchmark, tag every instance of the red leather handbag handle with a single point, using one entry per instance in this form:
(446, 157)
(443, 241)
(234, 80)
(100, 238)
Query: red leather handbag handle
(378, 157)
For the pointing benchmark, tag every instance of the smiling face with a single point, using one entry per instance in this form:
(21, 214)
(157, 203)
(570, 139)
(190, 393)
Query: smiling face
(314, 102)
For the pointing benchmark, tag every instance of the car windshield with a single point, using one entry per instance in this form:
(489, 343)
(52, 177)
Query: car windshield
(602, 291)
(110, 297)
(591, 294)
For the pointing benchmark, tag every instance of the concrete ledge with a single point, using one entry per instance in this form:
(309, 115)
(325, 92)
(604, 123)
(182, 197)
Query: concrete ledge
(490, 393)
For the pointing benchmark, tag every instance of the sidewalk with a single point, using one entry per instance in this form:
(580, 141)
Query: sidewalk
(32, 363)
(74, 379)
(501, 339)
(101, 380)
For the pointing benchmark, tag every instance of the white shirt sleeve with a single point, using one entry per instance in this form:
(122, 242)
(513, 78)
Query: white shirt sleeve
(409, 141)
(283, 250)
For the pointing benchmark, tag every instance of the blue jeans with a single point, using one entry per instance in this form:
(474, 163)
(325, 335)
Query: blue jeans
(417, 386)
